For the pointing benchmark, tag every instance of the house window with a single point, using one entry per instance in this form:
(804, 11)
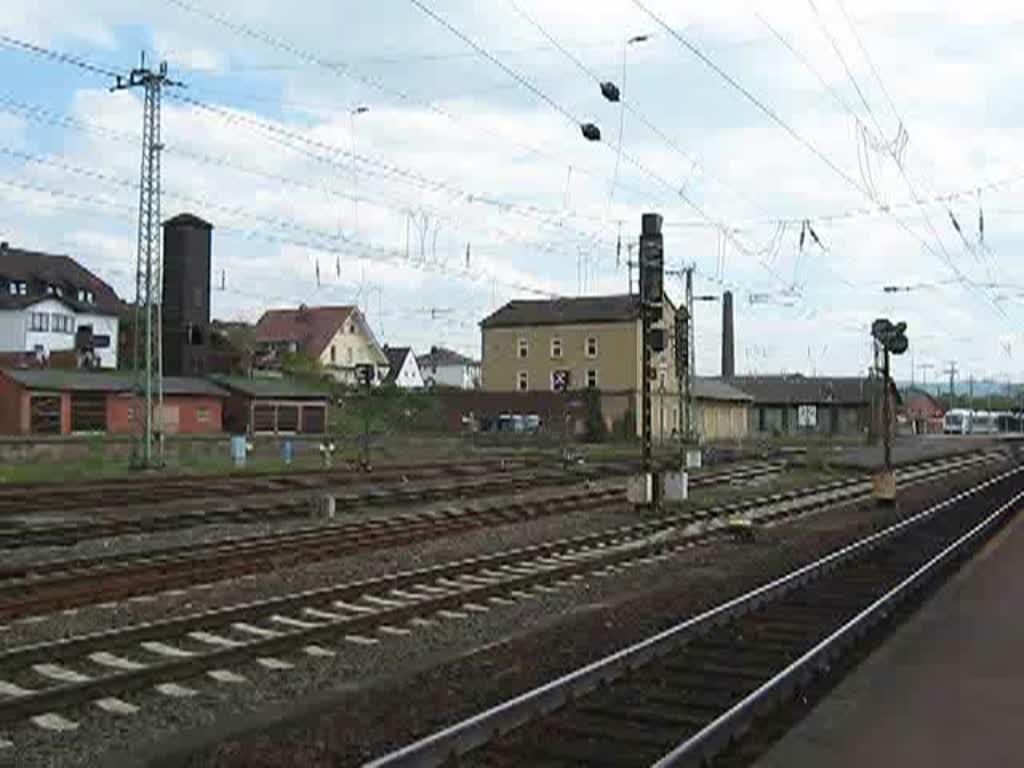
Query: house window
(62, 323)
(352, 328)
(556, 347)
(13, 288)
(524, 348)
(591, 348)
(202, 415)
(334, 355)
(348, 355)
(592, 379)
(522, 381)
(22, 288)
(39, 321)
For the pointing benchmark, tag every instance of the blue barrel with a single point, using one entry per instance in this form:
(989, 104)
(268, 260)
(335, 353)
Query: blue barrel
(238, 449)
(287, 451)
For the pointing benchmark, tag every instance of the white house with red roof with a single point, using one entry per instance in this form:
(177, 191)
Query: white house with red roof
(337, 336)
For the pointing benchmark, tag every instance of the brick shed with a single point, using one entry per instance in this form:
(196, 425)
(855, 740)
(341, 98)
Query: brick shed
(63, 402)
(273, 406)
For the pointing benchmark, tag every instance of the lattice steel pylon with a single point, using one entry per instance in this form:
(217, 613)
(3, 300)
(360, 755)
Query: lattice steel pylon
(147, 346)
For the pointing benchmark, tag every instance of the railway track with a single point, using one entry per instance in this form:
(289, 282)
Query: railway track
(51, 585)
(48, 586)
(94, 495)
(690, 693)
(175, 656)
(297, 504)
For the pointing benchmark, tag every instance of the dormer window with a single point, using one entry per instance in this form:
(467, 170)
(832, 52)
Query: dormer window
(17, 288)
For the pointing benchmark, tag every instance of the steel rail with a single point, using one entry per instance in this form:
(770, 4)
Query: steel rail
(118, 577)
(456, 740)
(713, 737)
(587, 553)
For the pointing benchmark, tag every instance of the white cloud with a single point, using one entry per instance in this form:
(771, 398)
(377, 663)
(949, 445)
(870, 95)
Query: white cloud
(943, 63)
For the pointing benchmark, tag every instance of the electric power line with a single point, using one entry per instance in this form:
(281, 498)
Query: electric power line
(774, 117)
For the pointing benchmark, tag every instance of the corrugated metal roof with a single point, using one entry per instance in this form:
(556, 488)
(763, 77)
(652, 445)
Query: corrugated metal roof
(96, 381)
(565, 311)
(717, 389)
(267, 387)
(798, 389)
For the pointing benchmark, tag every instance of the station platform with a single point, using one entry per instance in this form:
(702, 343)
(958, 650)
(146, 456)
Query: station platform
(946, 689)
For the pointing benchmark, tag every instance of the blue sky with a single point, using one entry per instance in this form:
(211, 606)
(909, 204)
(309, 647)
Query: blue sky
(452, 151)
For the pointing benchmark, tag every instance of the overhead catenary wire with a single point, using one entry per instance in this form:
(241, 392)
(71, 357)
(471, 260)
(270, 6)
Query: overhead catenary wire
(345, 70)
(63, 58)
(680, 192)
(324, 152)
(906, 177)
(304, 236)
(775, 118)
(628, 105)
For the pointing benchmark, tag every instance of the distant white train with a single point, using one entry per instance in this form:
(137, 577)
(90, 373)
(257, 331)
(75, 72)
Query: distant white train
(960, 421)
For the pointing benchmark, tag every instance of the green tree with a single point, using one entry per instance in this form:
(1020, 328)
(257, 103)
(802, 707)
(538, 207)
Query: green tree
(596, 429)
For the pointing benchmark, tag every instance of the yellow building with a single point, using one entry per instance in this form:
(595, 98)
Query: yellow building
(595, 343)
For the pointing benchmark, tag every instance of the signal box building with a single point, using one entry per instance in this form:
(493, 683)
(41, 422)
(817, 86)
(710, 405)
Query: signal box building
(52, 401)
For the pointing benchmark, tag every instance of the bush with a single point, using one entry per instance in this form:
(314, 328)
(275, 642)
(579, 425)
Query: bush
(595, 430)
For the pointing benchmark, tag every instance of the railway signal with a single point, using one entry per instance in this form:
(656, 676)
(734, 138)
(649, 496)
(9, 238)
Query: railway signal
(890, 339)
(652, 296)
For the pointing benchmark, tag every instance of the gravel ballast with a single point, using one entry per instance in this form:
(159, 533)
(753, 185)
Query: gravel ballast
(374, 698)
(349, 568)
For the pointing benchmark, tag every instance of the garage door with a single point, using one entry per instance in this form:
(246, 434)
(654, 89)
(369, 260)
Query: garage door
(88, 412)
(44, 414)
(313, 421)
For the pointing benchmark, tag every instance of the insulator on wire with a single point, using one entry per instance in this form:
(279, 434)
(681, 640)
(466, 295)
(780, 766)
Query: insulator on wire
(814, 236)
(337, 266)
(591, 132)
(610, 91)
(318, 273)
(467, 255)
(956, 224)
(803, 234)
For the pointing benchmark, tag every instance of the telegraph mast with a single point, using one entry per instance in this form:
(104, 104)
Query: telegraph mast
(147, 361)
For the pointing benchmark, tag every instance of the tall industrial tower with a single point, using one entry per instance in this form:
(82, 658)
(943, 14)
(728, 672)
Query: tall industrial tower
(147, 354)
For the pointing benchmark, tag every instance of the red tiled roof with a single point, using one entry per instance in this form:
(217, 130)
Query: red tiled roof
(311, 328)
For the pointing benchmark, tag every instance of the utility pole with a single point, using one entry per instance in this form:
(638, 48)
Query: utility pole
(925, 367)
(148, 364)
(629, 266)
(952, 377)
